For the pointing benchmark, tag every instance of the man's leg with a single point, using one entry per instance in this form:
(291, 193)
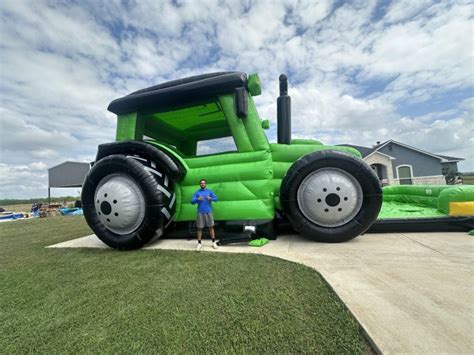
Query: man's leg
(199, 236)
(213, 236)
(199, 226)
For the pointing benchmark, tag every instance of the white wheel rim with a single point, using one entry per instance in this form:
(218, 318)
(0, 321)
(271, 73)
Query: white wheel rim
(119, 203)
(330, 197)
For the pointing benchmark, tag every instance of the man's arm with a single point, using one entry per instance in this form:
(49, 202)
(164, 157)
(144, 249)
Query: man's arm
(213, 197)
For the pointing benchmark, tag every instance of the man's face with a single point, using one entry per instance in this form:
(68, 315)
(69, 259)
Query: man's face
(202, 184)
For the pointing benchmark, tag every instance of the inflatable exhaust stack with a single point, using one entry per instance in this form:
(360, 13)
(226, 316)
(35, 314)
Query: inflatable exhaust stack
(284, 112)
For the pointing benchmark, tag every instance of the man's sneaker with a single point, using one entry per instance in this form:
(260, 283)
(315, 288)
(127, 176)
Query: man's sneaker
(199, 247)
(214, 245)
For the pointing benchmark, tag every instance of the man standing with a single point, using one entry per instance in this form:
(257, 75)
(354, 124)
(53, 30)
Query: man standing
(204, 197)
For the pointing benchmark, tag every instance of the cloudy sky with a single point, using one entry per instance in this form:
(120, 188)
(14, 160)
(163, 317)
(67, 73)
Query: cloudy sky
(359, 71)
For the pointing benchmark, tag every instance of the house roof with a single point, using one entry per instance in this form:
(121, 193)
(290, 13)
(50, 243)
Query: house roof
(450, 159)
(380, 153)
(68, 162)
(365, 151)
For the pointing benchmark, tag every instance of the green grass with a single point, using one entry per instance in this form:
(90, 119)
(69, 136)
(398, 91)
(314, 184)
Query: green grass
(84, 300)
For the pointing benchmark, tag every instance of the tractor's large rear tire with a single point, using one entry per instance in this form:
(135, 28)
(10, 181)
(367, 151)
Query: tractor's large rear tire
(330, 196)
(125, 203)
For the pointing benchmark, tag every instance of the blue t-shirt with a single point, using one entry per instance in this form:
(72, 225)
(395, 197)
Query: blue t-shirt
(204, 205)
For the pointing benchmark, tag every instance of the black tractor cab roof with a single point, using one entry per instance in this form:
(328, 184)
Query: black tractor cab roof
(179, 92)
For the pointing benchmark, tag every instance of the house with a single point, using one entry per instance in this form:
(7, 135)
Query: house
(400, 164)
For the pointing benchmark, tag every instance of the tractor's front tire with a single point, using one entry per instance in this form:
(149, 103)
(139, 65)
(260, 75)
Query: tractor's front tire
(330, 196)
(123, 202)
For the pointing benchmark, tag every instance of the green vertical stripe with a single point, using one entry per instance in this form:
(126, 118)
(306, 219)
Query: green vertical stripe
(129, 127)
(254, 129)
(236, 125)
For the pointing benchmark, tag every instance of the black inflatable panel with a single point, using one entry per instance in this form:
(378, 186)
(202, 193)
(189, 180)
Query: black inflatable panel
(241, 102)
(179, 92)
(171, 166)
(441, 224)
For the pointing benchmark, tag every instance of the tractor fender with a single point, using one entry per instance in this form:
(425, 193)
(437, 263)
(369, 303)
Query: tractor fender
(172, 167)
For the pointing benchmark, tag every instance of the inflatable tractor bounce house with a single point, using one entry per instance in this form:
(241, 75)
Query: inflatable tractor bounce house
(140, 186)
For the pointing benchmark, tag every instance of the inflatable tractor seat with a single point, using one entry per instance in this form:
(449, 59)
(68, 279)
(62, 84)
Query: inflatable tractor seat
(141, 185)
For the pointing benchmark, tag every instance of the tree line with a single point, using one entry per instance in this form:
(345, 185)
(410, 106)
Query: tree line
(15, 201)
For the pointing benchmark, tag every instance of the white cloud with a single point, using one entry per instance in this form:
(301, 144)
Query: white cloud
(405, 9)
(427, 55)
(309, 13)
(38, 166)
(452, 136)
(21, 180)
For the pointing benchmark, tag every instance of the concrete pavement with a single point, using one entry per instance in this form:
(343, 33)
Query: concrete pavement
(411, 292)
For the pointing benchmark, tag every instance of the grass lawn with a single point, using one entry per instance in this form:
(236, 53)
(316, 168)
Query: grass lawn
(84, 300)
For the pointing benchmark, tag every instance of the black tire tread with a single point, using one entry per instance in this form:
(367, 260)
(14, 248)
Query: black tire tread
(153, 202)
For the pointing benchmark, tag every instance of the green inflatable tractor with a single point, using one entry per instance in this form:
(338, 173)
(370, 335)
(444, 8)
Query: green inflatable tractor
(140, 186)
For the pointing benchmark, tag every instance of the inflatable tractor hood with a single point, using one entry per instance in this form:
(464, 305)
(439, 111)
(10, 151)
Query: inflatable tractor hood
(141, 185)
